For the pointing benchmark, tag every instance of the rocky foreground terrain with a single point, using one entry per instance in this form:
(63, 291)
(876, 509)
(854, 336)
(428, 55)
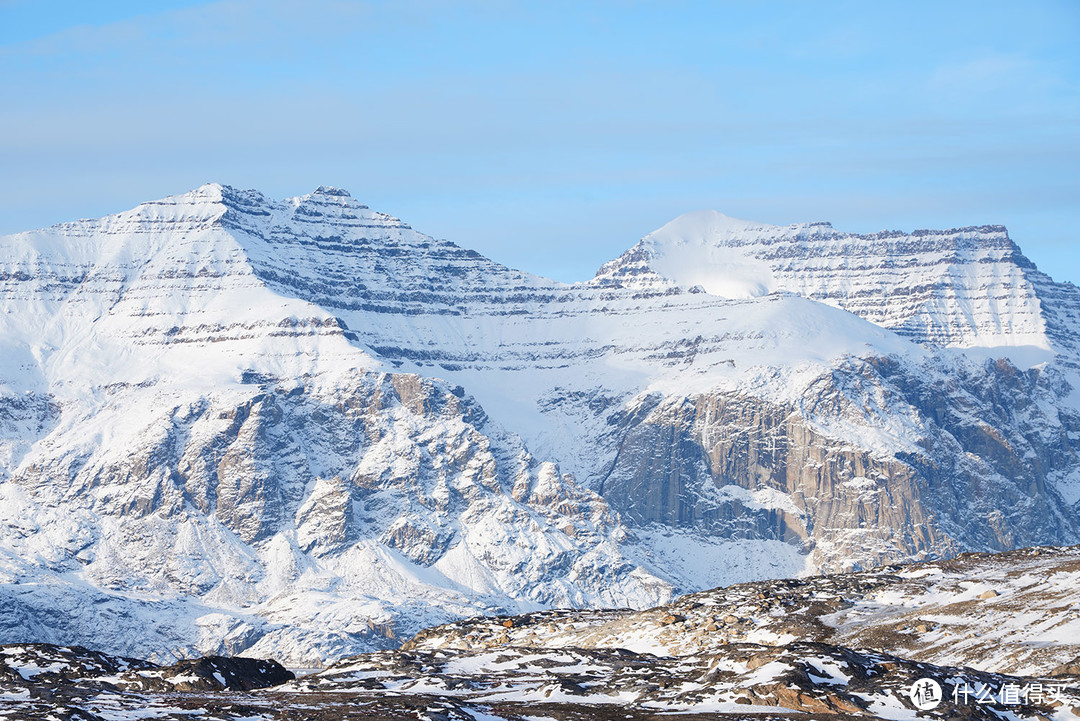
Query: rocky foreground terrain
(998, 633)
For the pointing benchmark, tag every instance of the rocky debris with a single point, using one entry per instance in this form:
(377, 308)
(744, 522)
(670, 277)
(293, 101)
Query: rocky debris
(39, 668)
(805, 681)
(798, 678)
(46, 681)
(1070, 668)
(783, 649)
(43, 663)
(929, 611)
(209, 673)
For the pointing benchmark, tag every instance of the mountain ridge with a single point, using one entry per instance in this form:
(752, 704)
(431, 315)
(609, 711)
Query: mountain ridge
(302, 428)
(962, 287)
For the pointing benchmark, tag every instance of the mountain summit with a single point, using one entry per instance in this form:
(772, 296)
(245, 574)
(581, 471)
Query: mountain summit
(964, 287)
(301, 428)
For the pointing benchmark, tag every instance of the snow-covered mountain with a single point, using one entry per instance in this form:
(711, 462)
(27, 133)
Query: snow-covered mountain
(963, 288)
(302, 428)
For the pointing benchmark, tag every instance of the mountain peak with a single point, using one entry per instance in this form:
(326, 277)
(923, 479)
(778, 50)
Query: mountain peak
(711, 227)
(701, 225)
(697, 249)
(921, 274)
(331, 190)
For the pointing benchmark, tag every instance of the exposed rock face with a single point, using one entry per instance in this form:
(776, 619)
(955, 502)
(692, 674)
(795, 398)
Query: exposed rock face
(294, 490)
(738, 466)
(302, 429)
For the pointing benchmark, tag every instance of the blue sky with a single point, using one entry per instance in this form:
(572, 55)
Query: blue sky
(551, 136)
